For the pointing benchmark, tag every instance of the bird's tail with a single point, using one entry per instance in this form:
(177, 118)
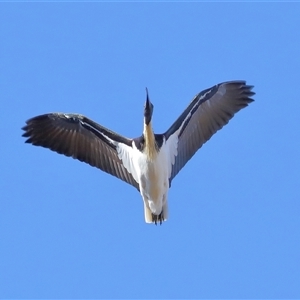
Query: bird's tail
(166, 211)
(148, 214)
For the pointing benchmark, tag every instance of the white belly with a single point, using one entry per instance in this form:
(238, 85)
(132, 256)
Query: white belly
(154, 182)
(151, 174)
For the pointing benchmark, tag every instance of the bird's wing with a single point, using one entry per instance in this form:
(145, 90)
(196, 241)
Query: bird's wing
(79, 137)
(208, 112)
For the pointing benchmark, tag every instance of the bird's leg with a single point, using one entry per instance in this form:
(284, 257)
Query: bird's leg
(161, 217)
(156, 218)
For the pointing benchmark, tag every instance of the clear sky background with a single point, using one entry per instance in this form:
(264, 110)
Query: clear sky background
(70, 230)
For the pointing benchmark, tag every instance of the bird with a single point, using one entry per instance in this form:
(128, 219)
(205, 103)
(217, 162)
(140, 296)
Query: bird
(150, 162)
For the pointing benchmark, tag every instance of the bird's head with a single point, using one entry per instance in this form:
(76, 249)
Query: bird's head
(148, 110)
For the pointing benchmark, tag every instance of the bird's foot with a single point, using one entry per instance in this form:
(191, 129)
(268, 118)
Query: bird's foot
(158, 218)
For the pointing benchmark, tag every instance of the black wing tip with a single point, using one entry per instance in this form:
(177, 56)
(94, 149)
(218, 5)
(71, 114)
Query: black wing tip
(27, 133)
(242, 83)
(38, 118)
(29, 126)
(246, 89)
(44, 118)
(32, 124)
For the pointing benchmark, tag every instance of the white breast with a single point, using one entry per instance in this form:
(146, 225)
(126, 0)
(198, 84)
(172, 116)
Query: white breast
(151, 174)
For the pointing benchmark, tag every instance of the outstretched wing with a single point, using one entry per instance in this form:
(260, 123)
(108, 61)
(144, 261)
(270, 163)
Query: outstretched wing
(79, 137)
(208, 112)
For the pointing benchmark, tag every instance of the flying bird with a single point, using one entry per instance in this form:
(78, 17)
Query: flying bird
(149, 162)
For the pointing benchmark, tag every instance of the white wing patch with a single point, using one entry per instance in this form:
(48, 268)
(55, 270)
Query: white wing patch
(171, 148)
(126, 154)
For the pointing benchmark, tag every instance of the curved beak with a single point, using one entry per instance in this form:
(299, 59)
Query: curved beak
(148, 109)
(147, 104)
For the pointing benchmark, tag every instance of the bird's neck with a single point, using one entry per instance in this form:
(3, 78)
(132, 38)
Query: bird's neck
(150, 144)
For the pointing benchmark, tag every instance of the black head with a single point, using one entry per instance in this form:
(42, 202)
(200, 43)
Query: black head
(148, 110)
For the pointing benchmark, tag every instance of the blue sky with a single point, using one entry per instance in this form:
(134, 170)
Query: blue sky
(70, 230)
